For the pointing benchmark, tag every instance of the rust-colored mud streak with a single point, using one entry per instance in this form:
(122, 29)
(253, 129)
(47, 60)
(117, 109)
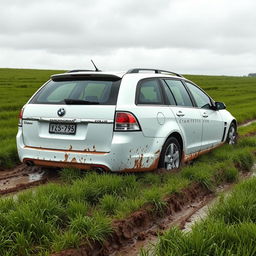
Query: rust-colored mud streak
(66, 164)
(152, 167)
(138, 162)
(73, 160)
(197, 154)
(66, 157)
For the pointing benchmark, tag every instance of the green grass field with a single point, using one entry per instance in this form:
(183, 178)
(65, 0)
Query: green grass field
(18, 85)
(238, 93)
(54, 217)
(58, 216)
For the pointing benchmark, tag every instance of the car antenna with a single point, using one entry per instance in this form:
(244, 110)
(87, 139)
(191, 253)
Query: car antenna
(96, 69)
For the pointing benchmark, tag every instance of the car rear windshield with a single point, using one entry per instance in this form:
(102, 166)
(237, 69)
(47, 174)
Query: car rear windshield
(81, 92)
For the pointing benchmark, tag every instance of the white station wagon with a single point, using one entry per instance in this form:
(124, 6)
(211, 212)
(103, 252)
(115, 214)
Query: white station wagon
(138, 120)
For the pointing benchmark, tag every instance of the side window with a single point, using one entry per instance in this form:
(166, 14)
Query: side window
(169, 95)
(179, 92)
(149, 92)
(202, 100)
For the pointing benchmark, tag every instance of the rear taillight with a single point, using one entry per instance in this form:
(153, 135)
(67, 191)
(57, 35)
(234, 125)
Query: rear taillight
(125, 121)
(20, 117)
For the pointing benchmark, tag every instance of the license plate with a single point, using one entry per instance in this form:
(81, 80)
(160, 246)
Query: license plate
(58, 128)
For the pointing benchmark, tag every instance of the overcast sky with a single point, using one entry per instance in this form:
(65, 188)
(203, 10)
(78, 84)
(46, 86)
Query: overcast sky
(186, 36)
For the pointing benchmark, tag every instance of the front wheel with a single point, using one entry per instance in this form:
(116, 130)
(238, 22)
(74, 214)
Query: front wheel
(232, 135)
(170, 157)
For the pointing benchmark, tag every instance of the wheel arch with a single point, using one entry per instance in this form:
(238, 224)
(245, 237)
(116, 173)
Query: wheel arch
(234, 122)
(177, 136)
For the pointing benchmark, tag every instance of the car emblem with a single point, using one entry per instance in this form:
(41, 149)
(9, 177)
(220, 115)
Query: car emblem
(61, 112)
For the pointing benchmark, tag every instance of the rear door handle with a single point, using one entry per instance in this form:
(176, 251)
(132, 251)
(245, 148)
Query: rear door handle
(180, 113)
(205, 114)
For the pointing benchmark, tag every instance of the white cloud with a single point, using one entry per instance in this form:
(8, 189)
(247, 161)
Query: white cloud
(190, 36)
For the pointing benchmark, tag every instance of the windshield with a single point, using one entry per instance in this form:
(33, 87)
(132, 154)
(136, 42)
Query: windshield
(78, 92)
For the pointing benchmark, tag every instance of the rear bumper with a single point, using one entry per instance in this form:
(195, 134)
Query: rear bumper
(130, 152)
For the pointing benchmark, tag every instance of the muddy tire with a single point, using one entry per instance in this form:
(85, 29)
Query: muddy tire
(232, 135)
(170, 157)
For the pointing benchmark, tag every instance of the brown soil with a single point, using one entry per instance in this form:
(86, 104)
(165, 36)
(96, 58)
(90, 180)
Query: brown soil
(22, 177)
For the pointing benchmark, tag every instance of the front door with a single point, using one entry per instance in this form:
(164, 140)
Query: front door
(187, 116)
(213, 125)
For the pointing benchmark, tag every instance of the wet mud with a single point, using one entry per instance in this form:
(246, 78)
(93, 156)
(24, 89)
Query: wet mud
(22, 177)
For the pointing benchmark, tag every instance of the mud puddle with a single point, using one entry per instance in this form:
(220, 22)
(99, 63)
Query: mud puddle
(22, 177)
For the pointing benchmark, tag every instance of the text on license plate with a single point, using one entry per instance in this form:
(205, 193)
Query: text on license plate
(62, 128)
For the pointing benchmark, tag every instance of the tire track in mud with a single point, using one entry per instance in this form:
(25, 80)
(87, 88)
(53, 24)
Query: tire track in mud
(247, 123)
(23, 177)
(184, 219)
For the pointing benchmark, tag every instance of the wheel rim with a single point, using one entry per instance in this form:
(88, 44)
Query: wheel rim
(232, 135)
(172, 157)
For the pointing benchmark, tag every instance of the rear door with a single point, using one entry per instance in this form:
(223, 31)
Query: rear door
(188, 117)
(213, 125)
(72, 113)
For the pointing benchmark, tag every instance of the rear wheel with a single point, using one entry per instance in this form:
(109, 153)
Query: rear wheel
(232, 135)
(170, 157)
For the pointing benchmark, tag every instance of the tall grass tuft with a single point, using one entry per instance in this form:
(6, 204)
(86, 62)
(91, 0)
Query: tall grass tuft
(154, 196)
(244, 159)
(96, 227)
(109, 204)
(66, 240)
(202, 173)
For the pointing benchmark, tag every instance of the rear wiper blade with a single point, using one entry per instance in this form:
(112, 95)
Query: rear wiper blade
(80, 102)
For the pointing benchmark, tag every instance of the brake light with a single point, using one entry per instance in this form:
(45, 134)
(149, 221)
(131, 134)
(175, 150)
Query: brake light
(20, 117)
(125, 121)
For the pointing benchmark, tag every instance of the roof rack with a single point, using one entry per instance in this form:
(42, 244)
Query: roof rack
(81, 70)
(157, 71)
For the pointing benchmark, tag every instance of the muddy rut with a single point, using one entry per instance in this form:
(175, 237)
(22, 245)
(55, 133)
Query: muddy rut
(23, 177)
(189, 214)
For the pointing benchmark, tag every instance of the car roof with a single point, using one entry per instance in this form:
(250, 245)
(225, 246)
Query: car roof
(116, 74)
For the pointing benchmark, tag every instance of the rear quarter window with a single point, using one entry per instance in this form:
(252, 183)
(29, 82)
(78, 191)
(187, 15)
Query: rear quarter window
(149, 92)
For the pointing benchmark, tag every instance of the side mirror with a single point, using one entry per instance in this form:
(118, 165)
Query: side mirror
(220, 105)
